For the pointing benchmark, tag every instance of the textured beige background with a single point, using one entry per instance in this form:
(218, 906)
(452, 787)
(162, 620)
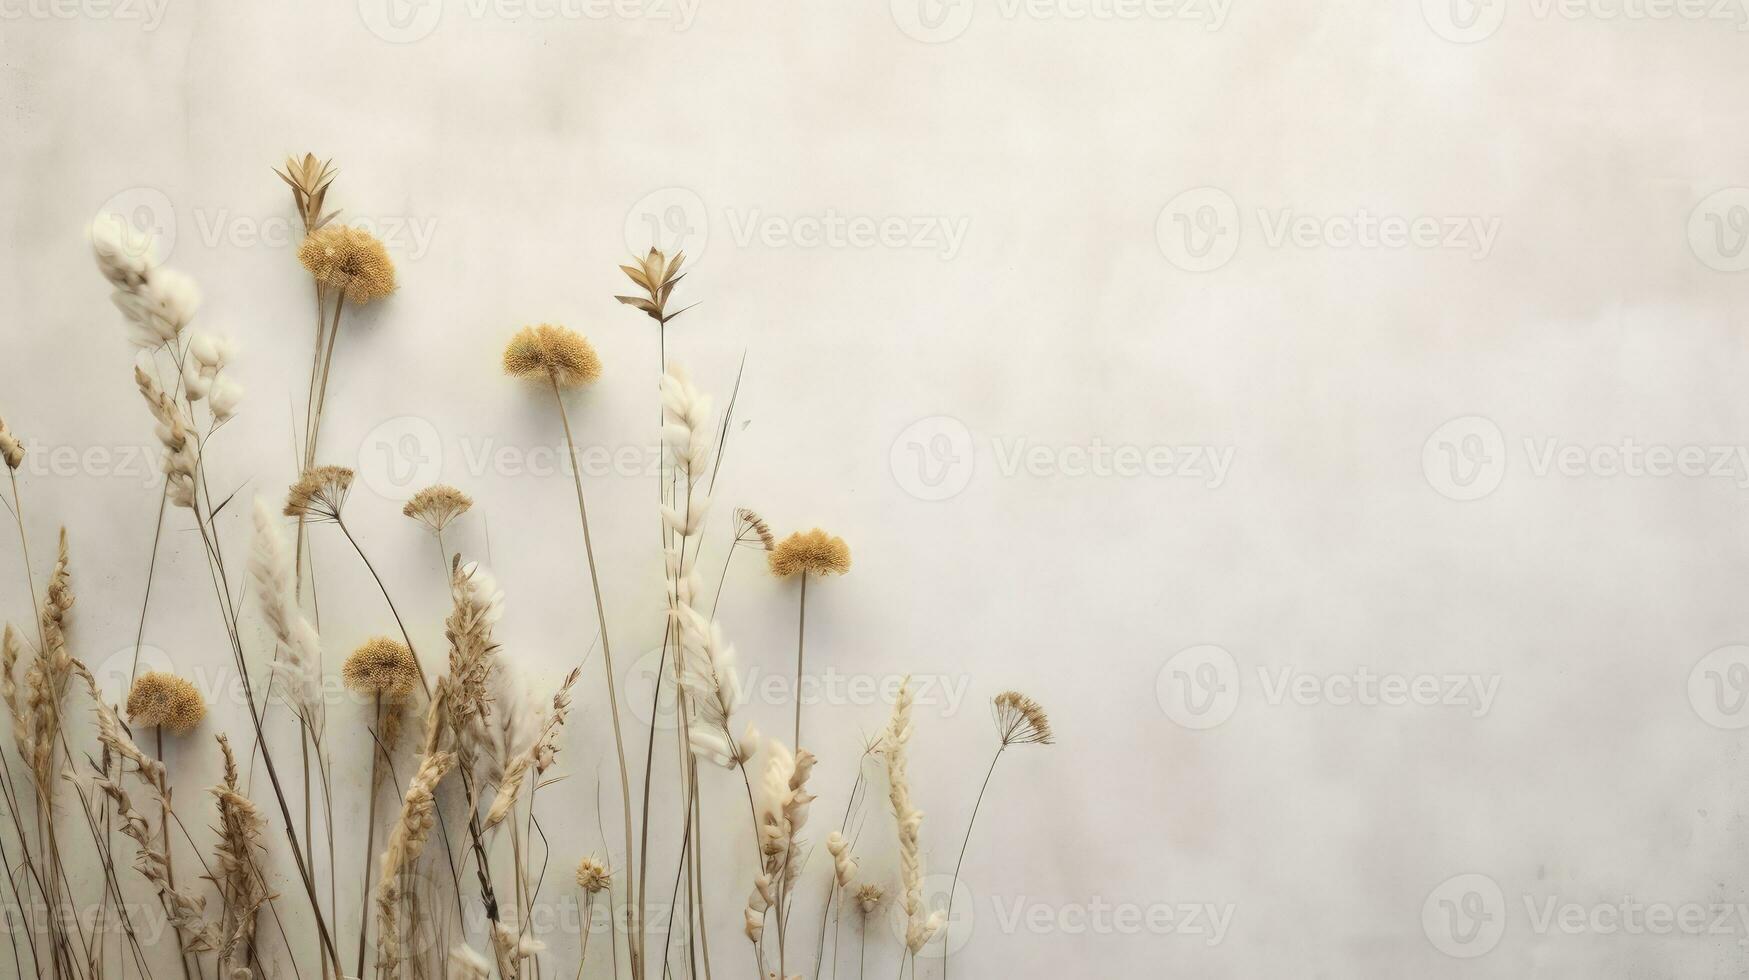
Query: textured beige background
(1099, 248)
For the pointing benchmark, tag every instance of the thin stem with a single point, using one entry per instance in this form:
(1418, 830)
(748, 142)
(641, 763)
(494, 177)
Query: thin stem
(370, 831)
(801, 634)
(947, 923)
(392, 610)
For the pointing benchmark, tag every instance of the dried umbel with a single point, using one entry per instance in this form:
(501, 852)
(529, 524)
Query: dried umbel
(750, 527)
(1020, 720)
(436, 506)
(814, 552)
(161, 700)
(320, 493)
(656, 275)
(309, 179)
(381, 667)
(593, 876)
(552, 352)
(349, 259)
(11, 451)
(869, 898)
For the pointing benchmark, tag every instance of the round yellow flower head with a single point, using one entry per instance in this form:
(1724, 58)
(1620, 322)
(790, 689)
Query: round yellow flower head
(381, 666)
(549, 351)
(809, 551)
(349, 259)
(160, 700)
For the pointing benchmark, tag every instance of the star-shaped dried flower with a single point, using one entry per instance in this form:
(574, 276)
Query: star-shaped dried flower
(656, 275)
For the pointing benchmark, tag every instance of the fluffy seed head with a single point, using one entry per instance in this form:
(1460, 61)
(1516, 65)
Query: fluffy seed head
(592, 875)
(547, 350)
(160, 700)
(381, 666)
(1020, 720)
(319, 493)
(810, 551)
(349, 259)
(437, 505)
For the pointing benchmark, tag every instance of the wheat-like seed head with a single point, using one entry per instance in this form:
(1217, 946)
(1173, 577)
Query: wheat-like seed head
(349, 259)
(320, 493)
(381, 666)
(550, 351)
(437, 505)
(812, 551)
(1020, 720)
(160, 700)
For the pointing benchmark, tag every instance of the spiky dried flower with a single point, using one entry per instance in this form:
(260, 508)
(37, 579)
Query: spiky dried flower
(309, 179)
(437, 505)
(749, 527)
(10, 449)
(550, 351)
(161, 700)
(319, 493)
(593, 876)
(349, 259)
(656, 275)
(869, 898)
(381, 666)
(812, 551)
(1020, 720)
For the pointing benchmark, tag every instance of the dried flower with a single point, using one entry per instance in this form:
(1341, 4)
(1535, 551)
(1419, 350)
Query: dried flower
(843, 864)
(1020, 720)
(549, 351)
(349, 259)
(810, 551)
(10, 449)
(593, 876)
(656, 275)
(751, 527)
(381, 667)
(160, 700)
(437, 505)
(309, 179)
(319, 493)
(869, 898)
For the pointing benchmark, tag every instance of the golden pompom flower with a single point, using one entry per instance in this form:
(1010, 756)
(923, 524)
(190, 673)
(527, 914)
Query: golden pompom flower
(349, 259)
(381, 666)
(1020, 720)
(593, 876)
(319, 493)
(437, 505)
(810, 551)
(549, 351)
(160, 700)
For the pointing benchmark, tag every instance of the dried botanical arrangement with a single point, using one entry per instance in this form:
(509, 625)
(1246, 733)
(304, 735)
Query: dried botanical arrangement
(247, 875)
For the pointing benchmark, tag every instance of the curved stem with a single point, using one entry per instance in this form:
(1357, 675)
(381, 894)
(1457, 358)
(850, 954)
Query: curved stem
(392, 610)
(948, 922)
